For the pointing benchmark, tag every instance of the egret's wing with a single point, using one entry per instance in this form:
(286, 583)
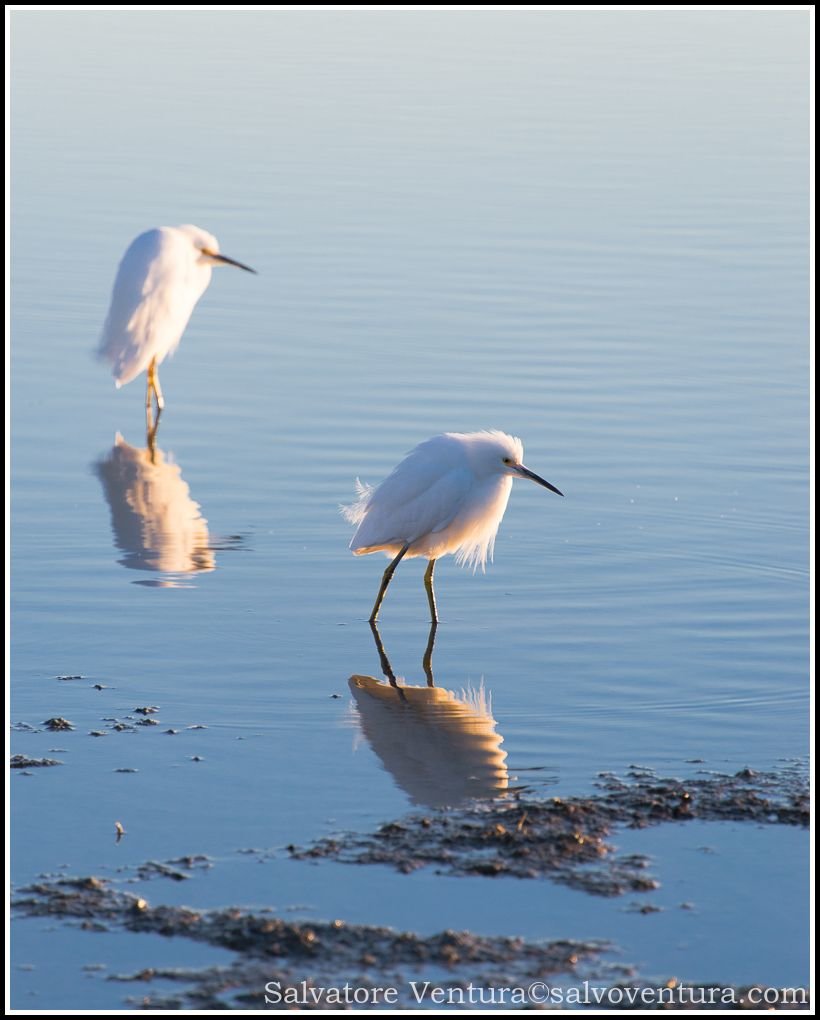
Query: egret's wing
(151, 304)
(422, 496)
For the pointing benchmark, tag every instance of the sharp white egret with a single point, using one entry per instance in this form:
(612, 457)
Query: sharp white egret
(162, 275)
(447, 496)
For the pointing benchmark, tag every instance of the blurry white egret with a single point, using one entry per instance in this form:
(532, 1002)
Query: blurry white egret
(162, 275)
(447, 496)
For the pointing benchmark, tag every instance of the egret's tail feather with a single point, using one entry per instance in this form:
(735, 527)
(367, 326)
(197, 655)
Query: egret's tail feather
(479, 699)
(354, 512)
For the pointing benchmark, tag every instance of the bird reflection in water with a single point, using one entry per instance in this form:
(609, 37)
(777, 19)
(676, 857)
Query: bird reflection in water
(156, 523)
(440, 746)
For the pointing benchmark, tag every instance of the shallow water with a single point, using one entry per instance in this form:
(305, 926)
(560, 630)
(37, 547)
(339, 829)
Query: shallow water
(588, 230)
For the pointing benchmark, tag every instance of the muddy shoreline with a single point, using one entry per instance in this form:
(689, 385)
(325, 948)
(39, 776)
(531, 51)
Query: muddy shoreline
(569, 840)
(319, 965)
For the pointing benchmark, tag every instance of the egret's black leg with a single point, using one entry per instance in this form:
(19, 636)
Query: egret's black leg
(427, 661)
(151, 439)
(387, 577)
(428, 587)
(387, 669)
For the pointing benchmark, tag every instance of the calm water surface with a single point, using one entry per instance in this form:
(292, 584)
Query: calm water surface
(588, 230)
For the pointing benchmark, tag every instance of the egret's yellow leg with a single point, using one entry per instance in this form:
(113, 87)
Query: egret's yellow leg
(150, 425)
(428, 587)
(387, 577)
(153, 384)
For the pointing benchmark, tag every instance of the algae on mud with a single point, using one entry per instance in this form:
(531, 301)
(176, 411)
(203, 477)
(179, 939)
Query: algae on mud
(273, 950)
(566, 839)
(318, 966)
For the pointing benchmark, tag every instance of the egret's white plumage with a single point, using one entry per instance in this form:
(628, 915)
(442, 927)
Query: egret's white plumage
(162, 275)
(448, 495)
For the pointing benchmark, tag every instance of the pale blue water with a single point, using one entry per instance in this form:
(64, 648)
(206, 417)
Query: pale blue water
(586, 229)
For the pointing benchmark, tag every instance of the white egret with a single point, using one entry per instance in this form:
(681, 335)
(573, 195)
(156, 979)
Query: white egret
(447, 496)
(162, 275)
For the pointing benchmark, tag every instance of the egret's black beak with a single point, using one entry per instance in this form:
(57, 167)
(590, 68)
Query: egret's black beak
(231, 262)
(526, 473)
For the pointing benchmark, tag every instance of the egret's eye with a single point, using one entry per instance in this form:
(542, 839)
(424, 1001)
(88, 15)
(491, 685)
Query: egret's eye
(507, 460)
